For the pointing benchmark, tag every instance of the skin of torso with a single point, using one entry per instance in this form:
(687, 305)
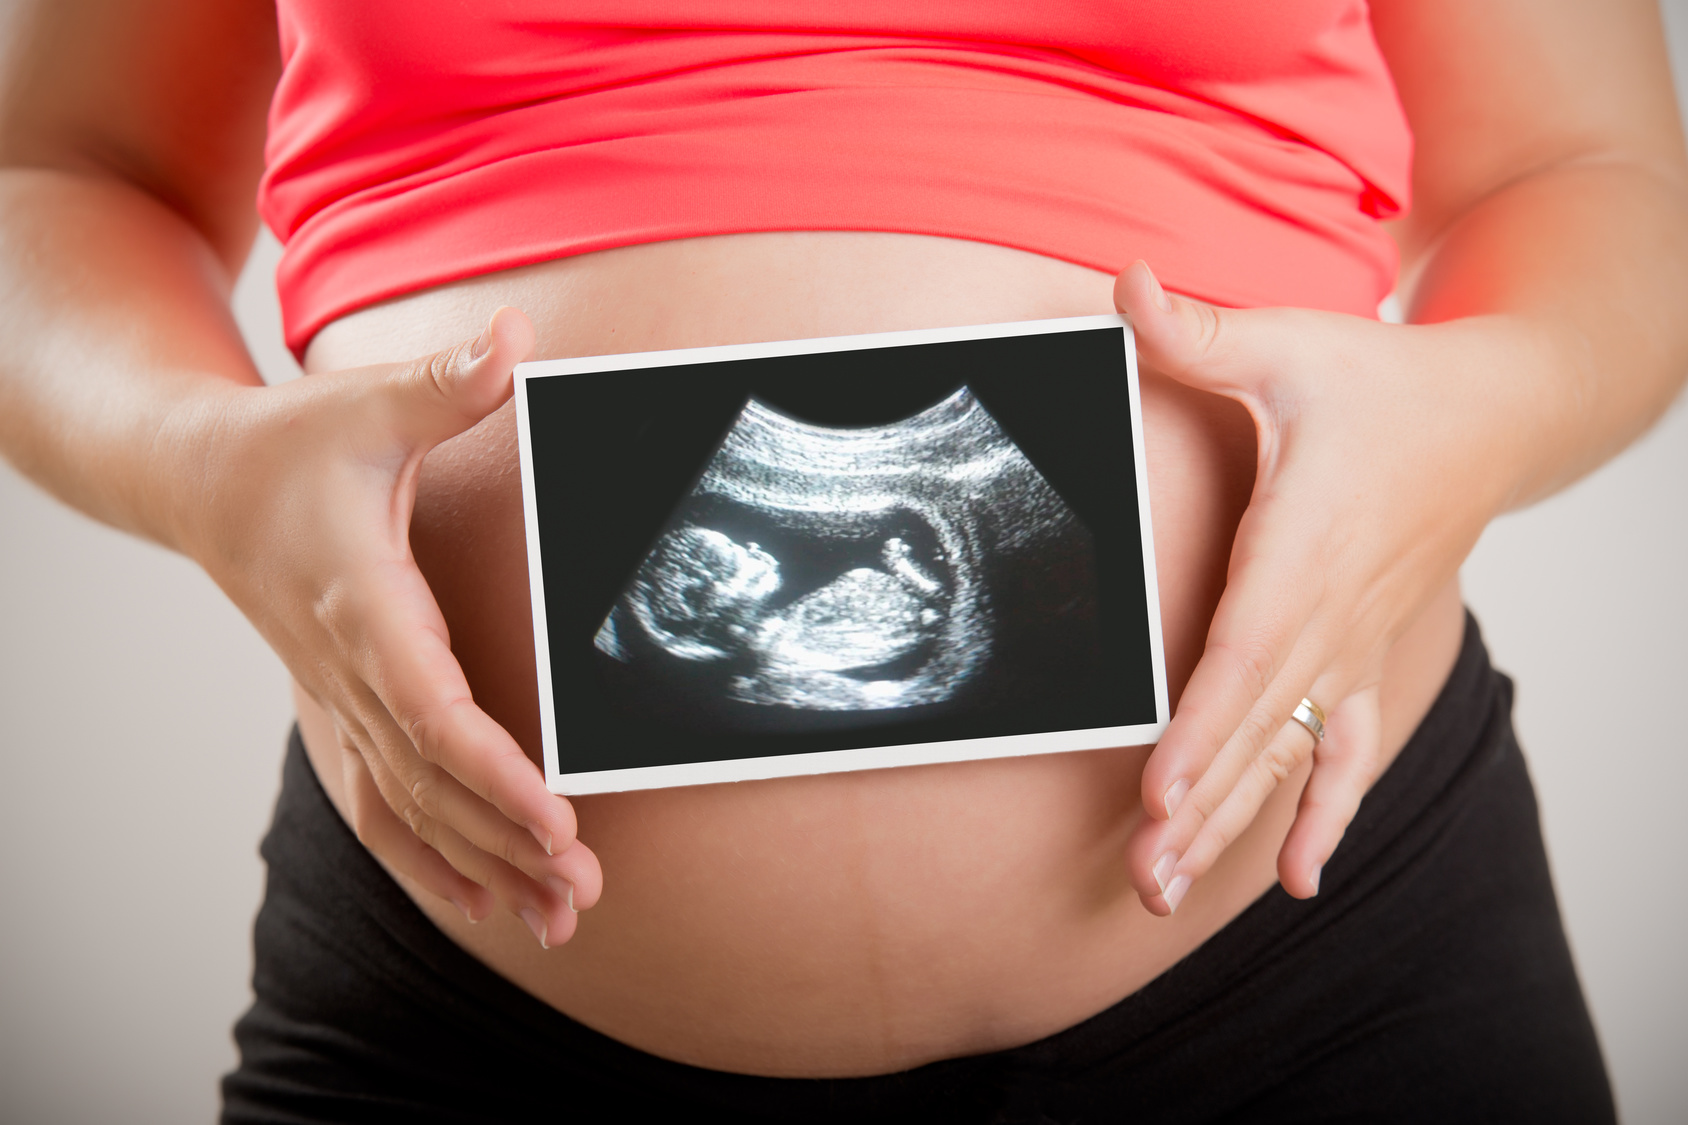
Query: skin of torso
(856, 923)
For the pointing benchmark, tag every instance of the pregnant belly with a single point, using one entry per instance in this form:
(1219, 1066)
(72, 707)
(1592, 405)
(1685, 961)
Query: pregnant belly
(854, 923)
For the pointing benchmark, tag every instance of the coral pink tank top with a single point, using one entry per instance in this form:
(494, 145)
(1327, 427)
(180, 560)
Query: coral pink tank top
(1245, 149)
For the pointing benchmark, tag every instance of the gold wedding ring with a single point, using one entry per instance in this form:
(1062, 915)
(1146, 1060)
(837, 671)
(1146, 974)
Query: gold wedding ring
(1311, 716)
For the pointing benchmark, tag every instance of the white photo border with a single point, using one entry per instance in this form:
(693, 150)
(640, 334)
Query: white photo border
(861, 758)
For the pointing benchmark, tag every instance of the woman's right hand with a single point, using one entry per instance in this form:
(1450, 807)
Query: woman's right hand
(299, 507)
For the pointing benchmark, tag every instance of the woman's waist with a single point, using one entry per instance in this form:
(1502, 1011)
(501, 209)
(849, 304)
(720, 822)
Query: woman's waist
(859, 922)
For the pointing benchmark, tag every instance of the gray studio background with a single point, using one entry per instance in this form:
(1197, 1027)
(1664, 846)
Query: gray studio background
(142, 720)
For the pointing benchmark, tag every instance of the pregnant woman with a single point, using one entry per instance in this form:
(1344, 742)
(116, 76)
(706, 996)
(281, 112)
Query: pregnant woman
(1079, 936)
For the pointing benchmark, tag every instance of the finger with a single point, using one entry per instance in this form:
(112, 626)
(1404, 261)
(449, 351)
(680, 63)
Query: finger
(581, 867)
(1178, 852)
(443, 798)
(1197, 778)
(1283, 756)
(573, 874)
(547, 909)
(466, 742)
(438, 795)
(1345, 766)
(546, 906)
(406, 661)
(1258, 661)
(441, 395)
(381, 830)
(449, 759)
(1225, 351)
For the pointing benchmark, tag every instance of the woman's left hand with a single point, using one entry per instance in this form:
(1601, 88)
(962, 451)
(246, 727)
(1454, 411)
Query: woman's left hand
(1383, 453)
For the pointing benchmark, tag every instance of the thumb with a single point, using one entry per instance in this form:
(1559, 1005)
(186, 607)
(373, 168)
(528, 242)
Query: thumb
(1193, 342)
(441, 395)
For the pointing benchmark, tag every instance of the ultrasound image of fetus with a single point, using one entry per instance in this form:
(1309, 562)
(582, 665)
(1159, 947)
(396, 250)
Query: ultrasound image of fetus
(830, 572)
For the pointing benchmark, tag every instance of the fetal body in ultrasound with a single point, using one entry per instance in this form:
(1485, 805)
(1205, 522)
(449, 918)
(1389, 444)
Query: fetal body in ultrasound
(818, 577)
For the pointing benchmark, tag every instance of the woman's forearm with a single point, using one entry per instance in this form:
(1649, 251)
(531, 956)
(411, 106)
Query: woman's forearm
(1583, 269)
(1550, 196)
(125, 389)
(118, 346)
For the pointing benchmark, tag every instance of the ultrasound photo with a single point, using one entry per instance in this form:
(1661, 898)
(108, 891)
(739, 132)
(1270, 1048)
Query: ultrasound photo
(819, 572)
(930, 543)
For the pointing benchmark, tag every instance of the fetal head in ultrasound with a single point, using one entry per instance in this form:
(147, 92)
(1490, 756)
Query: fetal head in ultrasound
(818, 577)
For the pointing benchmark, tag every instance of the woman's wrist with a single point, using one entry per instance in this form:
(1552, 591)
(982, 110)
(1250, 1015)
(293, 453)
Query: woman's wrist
(104, 380)
(187, 459)
(1504, 398)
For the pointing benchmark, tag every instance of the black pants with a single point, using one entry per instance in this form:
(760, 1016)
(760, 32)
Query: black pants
(1429, 981)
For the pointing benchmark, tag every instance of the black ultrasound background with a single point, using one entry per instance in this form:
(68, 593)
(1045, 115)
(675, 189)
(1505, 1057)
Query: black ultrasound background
(615, 452)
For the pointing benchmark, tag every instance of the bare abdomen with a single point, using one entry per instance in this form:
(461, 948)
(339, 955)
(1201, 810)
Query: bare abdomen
(853, 923)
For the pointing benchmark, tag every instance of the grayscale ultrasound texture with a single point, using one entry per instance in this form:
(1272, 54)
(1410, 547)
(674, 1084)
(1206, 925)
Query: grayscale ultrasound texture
(842, 570)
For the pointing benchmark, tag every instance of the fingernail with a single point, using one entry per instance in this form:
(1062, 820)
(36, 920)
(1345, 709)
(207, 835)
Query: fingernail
(1162, 301)
(562, 888)
(1163, 869)
(482, 342)
(1175, 796)
(464, 907)
(541, 834)
(1174, 893)
(1317, 871)
(536, 923)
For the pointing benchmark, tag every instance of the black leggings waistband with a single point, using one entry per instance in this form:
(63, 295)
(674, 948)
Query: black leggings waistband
(1429, 980)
